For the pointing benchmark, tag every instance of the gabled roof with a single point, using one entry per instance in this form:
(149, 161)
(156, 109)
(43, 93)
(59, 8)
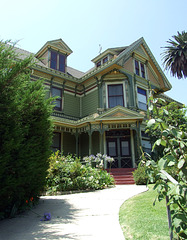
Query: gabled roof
(58, 45)
(125, 53)
(113, 51)
(128, 51)
(119, 113)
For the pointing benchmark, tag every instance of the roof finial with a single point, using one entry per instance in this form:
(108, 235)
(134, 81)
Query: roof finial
(100, 48)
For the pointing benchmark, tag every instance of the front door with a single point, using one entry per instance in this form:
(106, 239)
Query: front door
(119, 148)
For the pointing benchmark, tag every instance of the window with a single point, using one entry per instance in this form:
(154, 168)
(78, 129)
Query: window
(115, 95)
(139, 69)
(53, 60)
(58, 61)
(56, 143)
(98, 64)
(142, 70)
(105, 60)
(62, 62)
(142, 99)
(57, 92)
(146, 145)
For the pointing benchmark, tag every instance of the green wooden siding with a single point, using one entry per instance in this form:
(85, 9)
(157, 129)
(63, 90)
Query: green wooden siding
(90, 103)
(69, 144)
(71, 105)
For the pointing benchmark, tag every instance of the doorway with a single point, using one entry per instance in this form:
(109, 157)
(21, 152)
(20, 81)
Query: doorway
(119, 147)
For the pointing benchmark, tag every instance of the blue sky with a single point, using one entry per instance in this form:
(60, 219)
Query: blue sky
(84, 24)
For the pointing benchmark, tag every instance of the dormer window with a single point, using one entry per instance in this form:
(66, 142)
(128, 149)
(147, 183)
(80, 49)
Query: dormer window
(98, 64)
(58, 61)
(105, 60)
(102, 61)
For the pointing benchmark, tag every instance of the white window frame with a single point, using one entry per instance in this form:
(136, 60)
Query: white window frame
(124, 93)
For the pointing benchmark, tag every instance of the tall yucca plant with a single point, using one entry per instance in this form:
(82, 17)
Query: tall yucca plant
(175, 55)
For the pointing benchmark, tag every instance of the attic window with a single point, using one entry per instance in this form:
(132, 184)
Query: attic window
(57, 61)
(139, 69)
(105, 60)
(98, 64)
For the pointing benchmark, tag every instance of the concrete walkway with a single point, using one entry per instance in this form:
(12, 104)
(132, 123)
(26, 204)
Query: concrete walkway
(80, 216)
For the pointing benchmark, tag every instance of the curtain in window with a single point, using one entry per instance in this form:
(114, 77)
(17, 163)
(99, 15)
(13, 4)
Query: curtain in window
(115, 95)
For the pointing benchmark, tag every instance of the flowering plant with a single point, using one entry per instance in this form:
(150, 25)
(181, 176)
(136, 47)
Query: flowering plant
(45, 217)
(99, 159)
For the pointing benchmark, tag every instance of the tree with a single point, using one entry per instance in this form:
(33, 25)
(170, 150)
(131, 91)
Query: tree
(169, 125)
(175, 55)
(25, 132)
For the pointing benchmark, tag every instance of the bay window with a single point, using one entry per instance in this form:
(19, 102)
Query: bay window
(115, 95)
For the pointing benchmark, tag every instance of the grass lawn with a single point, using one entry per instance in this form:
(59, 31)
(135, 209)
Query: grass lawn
(140, 220)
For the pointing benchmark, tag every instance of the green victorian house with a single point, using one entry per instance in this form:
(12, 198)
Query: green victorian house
(104, 109)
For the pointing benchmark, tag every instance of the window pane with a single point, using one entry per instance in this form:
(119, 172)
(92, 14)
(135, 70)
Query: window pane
(137, 67)
(142, 106)
(142, 91)
(105, 59)
(53, 60)
(115, 95)
(114, 90)
(99, 64)
(62, 63)
(112, 149)
(142, 70)
(125, 148)
(56, 92)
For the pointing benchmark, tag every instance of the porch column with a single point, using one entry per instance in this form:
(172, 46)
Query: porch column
(90, 143)
(132, 149)
(77, 144)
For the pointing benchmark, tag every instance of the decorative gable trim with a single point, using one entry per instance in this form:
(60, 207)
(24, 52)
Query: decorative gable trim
(57, 45)
(120, 113)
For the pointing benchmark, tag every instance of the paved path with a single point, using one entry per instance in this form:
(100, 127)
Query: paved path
(80, 216)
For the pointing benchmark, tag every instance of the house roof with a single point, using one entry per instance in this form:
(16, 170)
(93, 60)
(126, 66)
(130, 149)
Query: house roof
(125, 52)
(58, 45)
(76, 75)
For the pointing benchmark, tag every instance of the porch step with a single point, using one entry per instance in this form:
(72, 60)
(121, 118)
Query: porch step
(122, 175)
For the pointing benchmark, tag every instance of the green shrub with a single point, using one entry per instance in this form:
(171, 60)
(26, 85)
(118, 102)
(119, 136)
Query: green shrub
(140, 176)
(68, 173)
(25, 133)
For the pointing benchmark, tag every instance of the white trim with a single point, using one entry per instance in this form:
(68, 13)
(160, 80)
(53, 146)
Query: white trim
(124, 92)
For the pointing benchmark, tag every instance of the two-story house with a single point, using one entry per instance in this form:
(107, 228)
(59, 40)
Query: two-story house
(104, 109)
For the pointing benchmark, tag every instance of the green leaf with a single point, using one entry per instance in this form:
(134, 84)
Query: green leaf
(165, 112)
(164, 125)
(165, 133)
(163, 142)
(162, 163)
(180, 163)
(159, 120)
